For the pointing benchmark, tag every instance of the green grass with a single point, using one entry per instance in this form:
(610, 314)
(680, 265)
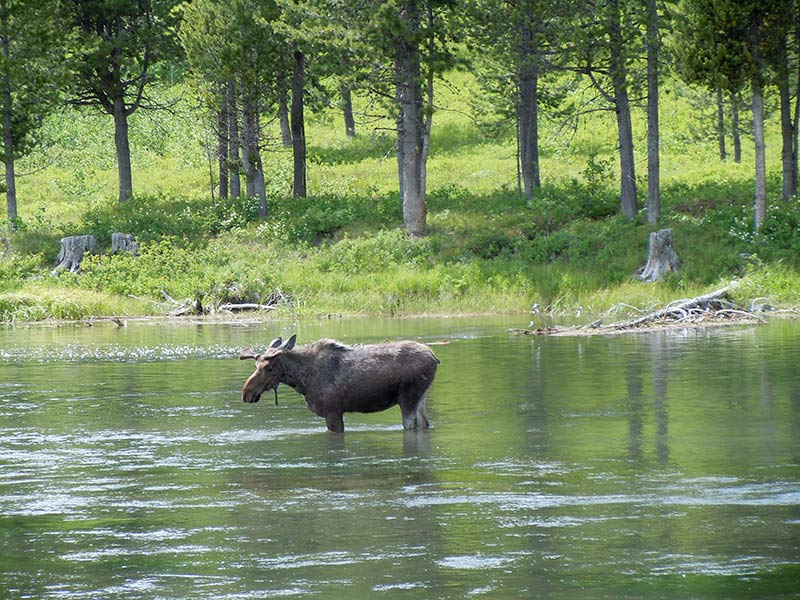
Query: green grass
(343, 249)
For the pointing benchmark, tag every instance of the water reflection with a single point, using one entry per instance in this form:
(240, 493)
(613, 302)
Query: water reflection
(659, 464)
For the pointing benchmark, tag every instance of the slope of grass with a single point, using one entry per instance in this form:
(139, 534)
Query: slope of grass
(343, 250)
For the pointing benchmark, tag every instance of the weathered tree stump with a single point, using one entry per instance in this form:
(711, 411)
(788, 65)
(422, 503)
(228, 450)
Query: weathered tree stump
(72, 250)
(124, 242)
(661, 258)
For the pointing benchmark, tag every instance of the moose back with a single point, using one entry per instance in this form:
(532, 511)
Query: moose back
(335, 378)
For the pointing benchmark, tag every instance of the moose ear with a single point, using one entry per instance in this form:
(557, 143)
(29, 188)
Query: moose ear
(275, 343)
(249, 353)
(289, 344)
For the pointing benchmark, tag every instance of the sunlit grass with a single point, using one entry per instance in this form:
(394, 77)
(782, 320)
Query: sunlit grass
(39, 301)
(343, 250)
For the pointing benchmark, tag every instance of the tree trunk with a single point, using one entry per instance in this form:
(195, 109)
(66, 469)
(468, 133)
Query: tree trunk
(234, 156)
(251, 155)
(661, 257)
(298, 125)
(760, 212)
(619, 78)
(721, 126)
(123, 149)
(761, 167)
(347, 111)
(283, 113)
(787, 128)
(72, 251)
(528, 116)
(222, 143)
(653, 149)
(410, 125)
(8, 141)
(737, 139)
(796, 120)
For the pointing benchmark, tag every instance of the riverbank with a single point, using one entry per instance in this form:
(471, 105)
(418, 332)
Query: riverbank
(343, 250)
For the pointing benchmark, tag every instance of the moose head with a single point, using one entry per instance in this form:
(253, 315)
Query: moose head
(269, 369)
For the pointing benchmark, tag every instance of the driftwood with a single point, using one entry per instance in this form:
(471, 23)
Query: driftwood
(661, 258)
(234, 307)
(186, 307)
(274, 300)
(709, 309)
(704, 306)
(72, 251)
(124, 242)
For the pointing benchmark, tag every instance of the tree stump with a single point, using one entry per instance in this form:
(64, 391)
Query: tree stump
(661, 258)
(72, 250)
(124, 242)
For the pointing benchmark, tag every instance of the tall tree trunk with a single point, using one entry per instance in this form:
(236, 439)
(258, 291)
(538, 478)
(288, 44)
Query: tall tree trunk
(410, 125)
(222, 141)
(757, 84)
(123, 149)
(234, 156)
(427, 119)
(528, 116)
(347, 112)
(653, 149)
(283, 113)
(787, 127)
(796, 120)
(298, 125)
(619, 79)
(721, 125)
(737, 138)
(251, 155)
(761, 167)
(8, 140)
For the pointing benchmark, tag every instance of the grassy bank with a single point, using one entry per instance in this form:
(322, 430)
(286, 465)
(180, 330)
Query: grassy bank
(343, 250)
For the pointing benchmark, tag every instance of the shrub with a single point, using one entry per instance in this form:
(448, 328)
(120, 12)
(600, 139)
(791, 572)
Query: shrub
(15, 268)
(152, 218)
(372, 253)
(159, 266)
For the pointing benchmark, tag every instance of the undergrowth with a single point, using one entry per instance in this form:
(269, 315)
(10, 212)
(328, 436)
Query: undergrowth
(344, 250)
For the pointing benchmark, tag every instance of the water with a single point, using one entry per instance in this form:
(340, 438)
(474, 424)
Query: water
(652, 465)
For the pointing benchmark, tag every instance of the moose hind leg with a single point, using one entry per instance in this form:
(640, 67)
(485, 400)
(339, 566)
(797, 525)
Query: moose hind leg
(412, 407)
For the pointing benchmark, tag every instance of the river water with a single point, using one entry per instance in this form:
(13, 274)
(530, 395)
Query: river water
(663, 465)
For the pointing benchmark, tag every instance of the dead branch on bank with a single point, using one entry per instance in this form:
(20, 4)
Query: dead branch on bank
(711, 306)
(709, 309)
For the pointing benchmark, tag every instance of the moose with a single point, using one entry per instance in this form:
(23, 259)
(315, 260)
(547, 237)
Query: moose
(335, 378)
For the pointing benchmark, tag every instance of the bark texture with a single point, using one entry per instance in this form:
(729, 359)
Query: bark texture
(124, 242)
(73, 249)
(661, 258)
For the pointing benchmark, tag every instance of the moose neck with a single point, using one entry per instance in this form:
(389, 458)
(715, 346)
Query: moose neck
(295, 370)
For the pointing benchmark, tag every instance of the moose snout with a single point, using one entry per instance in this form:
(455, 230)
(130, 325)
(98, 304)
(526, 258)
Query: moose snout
(250, 397)
(251, 392)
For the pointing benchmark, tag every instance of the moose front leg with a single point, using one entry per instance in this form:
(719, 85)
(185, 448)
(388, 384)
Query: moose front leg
(335, 422)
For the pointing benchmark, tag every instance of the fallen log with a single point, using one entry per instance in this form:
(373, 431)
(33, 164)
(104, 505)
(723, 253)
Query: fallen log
(709, 309)
(681, 306)
(232, 307)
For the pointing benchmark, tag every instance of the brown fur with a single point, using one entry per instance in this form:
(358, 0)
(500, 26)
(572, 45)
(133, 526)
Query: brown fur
(336, 379)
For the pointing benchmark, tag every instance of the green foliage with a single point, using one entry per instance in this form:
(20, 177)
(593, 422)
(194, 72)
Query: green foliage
(160, 266)
(315, 218)
(15, 269)
(780, 233)
(188, 221)
(374, 253)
